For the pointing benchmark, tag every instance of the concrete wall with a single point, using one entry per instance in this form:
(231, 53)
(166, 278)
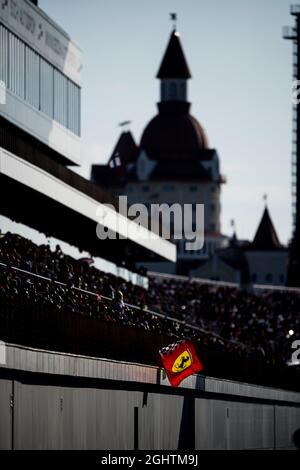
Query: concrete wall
(100, 404)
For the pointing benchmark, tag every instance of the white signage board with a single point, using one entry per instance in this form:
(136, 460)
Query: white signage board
(35, 28)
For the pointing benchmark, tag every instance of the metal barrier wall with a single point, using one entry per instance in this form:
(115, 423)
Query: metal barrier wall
(59, 401)
(41, 326)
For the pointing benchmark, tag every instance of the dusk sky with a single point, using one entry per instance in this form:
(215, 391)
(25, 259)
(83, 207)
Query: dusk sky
(240, 90)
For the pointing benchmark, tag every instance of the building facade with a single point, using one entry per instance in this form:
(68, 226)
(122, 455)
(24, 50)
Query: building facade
(40, 102)
(267, 257)
(263, 261)
(40, 76)
(173, 163)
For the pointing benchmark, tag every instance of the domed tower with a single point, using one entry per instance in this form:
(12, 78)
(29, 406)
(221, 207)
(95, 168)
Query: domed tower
(174, 134)
(173, 163)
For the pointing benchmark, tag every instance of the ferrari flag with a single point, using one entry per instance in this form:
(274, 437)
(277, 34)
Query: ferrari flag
(180, 360)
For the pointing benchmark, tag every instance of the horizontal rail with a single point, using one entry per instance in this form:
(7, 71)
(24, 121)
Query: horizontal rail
(147, 311)
(176, 277)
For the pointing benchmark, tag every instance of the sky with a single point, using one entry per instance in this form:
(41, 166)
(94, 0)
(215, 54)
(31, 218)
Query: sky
(240, 90)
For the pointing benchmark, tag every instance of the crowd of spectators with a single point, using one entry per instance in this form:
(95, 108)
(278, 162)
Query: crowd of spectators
(231, 318)
(266, 322)
(75, 286)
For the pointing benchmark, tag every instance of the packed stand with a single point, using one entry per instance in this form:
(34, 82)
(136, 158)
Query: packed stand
(263, 324)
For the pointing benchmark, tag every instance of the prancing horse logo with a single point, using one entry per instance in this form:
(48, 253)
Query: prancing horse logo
(182, 362)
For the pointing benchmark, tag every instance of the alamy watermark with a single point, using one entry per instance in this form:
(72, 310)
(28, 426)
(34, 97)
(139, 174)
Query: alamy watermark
(296, 354)
(2, 353)
(2, 92)
(152, 221)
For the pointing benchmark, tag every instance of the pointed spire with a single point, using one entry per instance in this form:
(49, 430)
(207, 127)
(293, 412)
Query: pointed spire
(125, 125)
(125, 151)
(173, 18)
(174, 64)
(265, 199)
(233, 240)
(266, 238)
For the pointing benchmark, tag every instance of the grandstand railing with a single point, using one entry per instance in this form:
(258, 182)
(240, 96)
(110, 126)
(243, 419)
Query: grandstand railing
(256, 287)
(164, 316)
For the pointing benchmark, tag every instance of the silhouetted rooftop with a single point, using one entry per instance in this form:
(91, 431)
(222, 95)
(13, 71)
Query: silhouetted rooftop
(174, 64)
(266, 238)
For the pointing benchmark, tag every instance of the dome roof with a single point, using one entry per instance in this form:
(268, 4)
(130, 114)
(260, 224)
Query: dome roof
(172, 135)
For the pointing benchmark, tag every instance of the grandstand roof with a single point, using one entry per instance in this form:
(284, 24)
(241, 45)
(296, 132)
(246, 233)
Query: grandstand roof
(60, 203)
